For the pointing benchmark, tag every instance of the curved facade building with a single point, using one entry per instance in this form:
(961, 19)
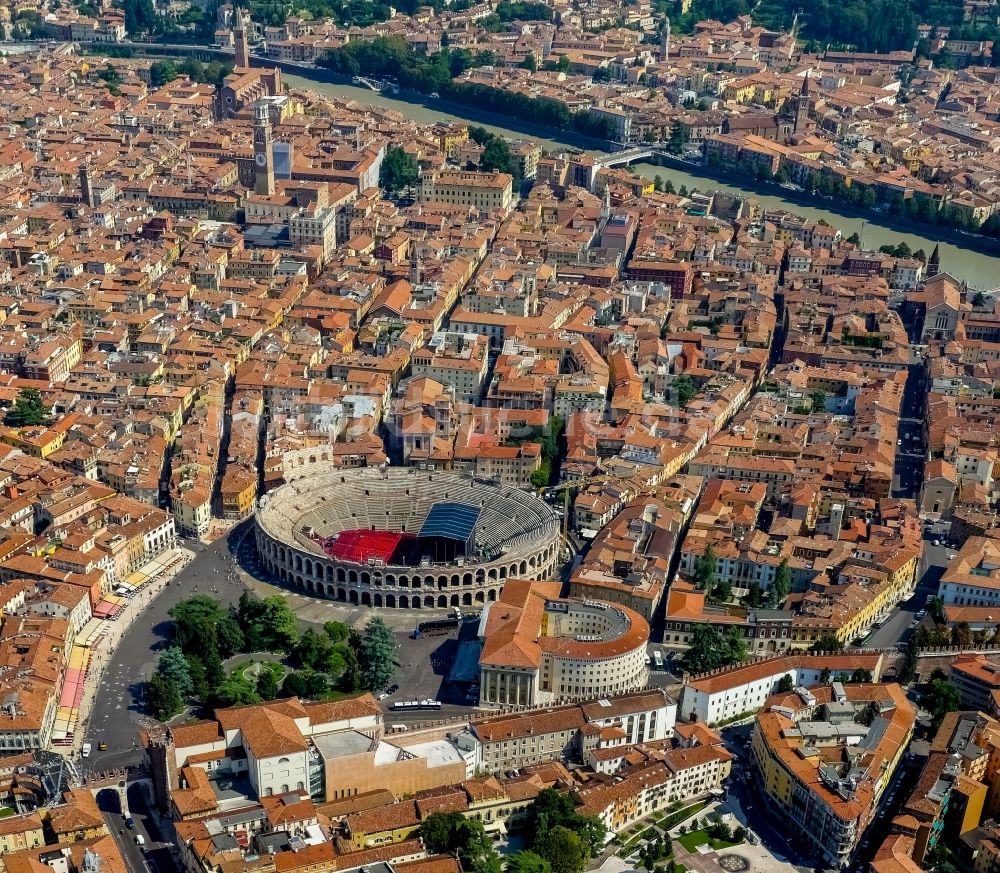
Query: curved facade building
(404, 538)
(540, 649)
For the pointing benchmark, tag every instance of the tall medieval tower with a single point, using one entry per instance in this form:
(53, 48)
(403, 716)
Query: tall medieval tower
(263, 150)
(240, 39)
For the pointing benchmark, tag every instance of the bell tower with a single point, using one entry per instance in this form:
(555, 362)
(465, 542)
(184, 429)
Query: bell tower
(240, 41)
(802, 106)
(263, 150)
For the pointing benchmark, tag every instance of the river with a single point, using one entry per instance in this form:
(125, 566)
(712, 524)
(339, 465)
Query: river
(980, 270)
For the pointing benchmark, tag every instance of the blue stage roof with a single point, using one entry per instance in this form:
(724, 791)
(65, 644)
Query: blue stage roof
(452, 521)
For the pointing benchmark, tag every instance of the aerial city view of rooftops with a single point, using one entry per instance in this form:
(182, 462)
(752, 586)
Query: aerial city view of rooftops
(528, 436)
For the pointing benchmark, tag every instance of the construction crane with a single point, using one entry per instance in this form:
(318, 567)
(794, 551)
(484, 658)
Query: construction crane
(566, 487)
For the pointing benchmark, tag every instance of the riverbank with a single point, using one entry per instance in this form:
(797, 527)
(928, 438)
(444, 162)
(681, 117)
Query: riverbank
(970, 242)
(963, 257)
(567, 138)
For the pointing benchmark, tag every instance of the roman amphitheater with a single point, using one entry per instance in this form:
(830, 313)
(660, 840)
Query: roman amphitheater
(404, 538)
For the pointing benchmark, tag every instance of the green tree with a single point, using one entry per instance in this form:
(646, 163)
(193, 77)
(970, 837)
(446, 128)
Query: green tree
(551, 808)
(162, 72)
(562, 65)
(199, 681)
(704, 569)
(940, 697)
(683, 387)
(781, 585)
(267, 685)
(936, 608)
(377, 655)
(162, 697)
(710, 648)
(827, 643)
(140, 17)
(438, 831)
(352, 677)
(860, 676)
(526, 861)
(453, 833)
(817, 400)
(722, 591)
(195, 621)
(678, 138)
(704, 650)
(734, 646)
(979, 300)
(268, 624)
(497, 156)
(565, 851)
(236, 690)
(313, 650)
(28, 410)
(755, 595)
(398, 171)
(824, 676)
(215, 674)
(174, 666)
(229, 635)
(785, 684)
(337, 631)
(529, 63)
(279, 630)
(296, 684)
(961, 635)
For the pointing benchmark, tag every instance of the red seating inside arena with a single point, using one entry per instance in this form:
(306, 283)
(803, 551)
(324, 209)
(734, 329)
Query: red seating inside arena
(359, 546)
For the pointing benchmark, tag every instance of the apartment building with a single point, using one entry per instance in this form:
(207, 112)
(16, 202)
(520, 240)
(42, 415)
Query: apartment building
(488, 192)
(541, 735)
(743, 690)
(973, 577)
(828, 798)
(458, 361)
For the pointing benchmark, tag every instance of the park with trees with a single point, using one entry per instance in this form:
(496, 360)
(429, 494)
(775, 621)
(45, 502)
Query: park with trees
(325, 663)
(560, 839)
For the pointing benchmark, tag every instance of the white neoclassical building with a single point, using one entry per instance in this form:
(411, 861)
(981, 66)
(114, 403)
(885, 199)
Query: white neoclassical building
(540, 649)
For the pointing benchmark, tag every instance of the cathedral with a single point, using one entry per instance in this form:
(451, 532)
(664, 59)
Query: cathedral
(245, 85)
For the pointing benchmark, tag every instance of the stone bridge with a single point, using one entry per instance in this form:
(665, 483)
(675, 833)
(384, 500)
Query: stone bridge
(628, 156)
